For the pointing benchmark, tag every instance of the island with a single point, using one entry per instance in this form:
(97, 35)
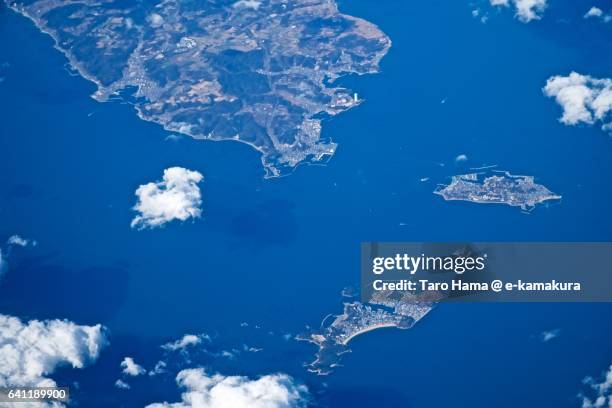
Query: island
(260, 73)
(497, 187)
(385, 309)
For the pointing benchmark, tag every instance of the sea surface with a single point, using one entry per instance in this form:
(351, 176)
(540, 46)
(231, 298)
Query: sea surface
(276, 253)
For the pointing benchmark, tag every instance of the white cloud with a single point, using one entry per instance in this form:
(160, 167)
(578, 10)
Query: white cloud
(476, 13)
(218, 391)
(602, 391)
(30, 352)
(548, 335)
(176, 197)
(160, 367)
(17, 240)
(14, 240)
(594, 12)
(584, 99)
(122, 385)
(251, 349)
(185, 341)
(252, 4)
(526, 10)
(155, 20)
(130, 367)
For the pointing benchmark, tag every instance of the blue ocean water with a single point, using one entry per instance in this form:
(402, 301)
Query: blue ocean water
(276, 253)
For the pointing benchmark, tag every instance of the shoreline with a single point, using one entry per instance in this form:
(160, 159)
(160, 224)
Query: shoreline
(270, 168)
(366, 330)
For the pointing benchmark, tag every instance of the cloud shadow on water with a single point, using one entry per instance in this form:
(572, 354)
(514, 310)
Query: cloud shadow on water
(272, 223)
(38, 288)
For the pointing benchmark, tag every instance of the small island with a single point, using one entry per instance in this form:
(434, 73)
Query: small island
(496, 187)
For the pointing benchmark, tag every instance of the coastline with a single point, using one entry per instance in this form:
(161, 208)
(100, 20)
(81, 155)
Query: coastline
(368, 329)
(271, 169)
